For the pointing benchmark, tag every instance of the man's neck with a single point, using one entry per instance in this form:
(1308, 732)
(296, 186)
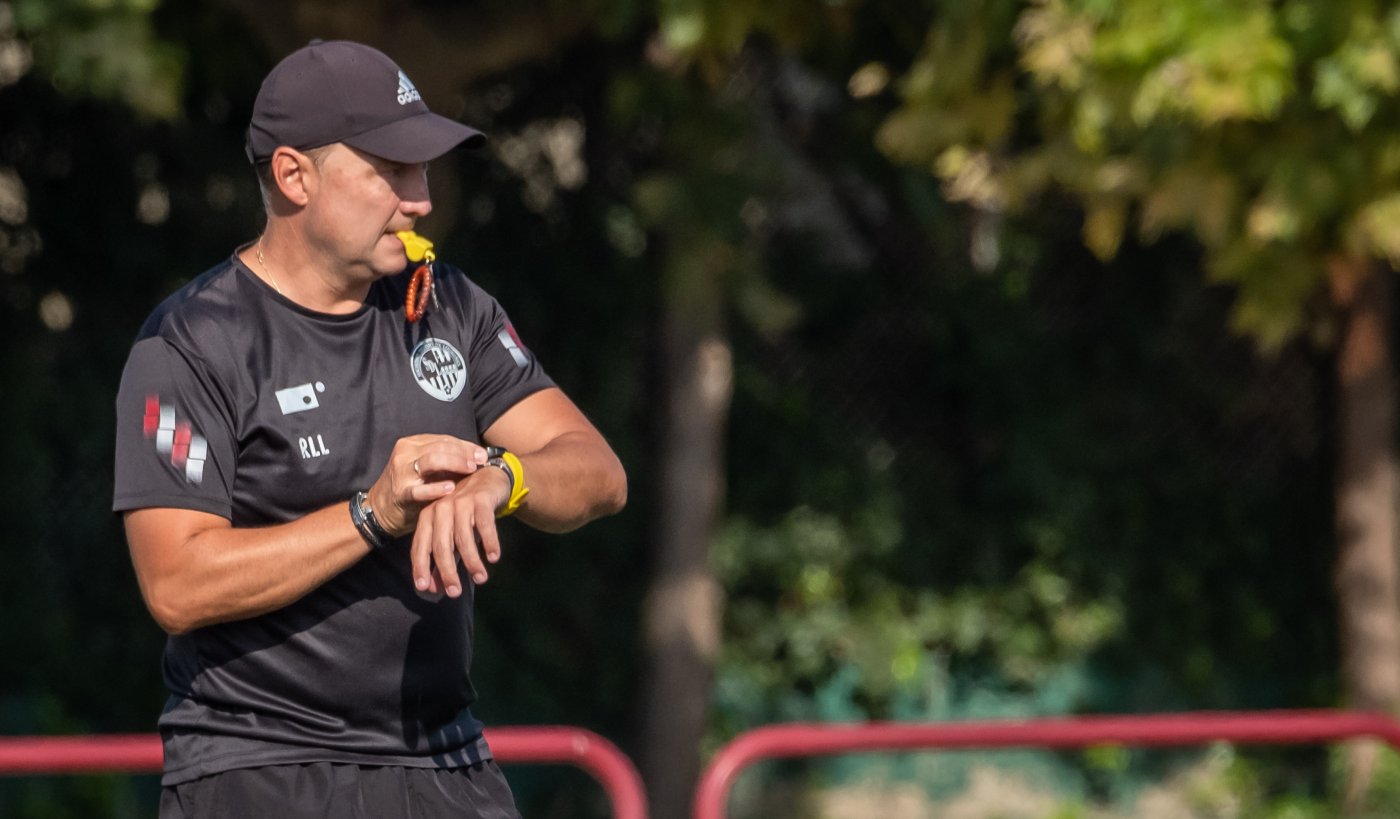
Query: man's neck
(293, 269)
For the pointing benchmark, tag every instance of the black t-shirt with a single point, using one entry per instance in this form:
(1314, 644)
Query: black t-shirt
(238, 402)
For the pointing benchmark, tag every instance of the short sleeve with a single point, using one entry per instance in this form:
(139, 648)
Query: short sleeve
(175, 441)
(502, 369)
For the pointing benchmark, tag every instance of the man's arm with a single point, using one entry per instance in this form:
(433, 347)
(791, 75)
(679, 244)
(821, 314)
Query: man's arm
(195, 569)
(573, 476)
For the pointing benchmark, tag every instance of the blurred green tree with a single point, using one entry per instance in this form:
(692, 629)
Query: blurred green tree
(1267, 131)
(1264, 129)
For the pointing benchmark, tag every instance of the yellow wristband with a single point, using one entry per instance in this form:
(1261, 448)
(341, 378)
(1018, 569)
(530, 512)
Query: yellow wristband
(510, 464)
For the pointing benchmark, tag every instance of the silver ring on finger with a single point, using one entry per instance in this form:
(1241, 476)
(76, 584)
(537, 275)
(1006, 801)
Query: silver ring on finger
(415, 468)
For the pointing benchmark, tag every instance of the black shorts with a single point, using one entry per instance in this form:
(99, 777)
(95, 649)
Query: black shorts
(333, 791)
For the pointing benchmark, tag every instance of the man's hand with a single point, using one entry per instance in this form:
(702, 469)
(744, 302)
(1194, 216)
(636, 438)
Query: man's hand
(461, 524)
(572, 473)
(421, 469)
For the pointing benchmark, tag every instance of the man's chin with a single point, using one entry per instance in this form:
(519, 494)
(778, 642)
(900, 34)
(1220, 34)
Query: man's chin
(390, 266)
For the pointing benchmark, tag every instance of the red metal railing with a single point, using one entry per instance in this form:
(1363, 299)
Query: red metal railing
(583, 749)
(141, 753)
(805, 740)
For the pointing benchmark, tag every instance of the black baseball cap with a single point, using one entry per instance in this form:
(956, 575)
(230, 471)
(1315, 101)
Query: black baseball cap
(339, 91)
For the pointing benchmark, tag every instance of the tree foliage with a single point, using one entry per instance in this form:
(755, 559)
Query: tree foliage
(1261, 128)
(104, 48)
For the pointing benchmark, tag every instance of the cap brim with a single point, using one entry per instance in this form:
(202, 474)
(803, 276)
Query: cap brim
(420, 138)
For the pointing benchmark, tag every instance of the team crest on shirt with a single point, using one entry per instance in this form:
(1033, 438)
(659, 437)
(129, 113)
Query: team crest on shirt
(439, 369)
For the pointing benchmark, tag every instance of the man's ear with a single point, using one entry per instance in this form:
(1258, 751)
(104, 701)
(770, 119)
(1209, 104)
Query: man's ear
(293, 173)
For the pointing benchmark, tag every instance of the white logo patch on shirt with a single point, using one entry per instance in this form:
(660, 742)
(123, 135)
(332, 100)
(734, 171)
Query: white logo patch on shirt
(300, 398)
(439, 369)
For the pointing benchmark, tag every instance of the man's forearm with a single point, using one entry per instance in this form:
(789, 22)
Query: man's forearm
(573, 479)
(220, 573)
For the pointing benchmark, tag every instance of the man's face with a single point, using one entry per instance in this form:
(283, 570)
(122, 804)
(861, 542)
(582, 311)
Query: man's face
(358, 202)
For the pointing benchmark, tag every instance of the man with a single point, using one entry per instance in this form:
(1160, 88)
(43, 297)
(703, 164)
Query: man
(305, 478)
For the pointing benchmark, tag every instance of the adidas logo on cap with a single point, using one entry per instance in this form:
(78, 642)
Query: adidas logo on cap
(407, 93)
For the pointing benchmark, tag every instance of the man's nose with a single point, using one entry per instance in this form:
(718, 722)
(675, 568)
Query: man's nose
(414, 198)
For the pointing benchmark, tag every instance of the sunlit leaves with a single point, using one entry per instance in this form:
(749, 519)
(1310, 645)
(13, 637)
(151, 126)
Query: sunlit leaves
(1275, 283)
(1195, 197)
(105, 48)
(1362, 73)
(1209, 62)
(1056, 44)
(950, 100)
(1231, 115)
(1378, 224)
(711, 31)
(1104, 224)
(1273, 220)
(971, 178)
(1218, 62)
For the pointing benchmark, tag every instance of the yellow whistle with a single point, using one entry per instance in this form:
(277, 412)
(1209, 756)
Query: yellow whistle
(416, 247)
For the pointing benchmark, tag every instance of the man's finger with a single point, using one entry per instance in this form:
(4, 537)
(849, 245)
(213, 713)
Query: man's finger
(447, 454)
(486, 531)
(444, 557)
(429, 492)
(466, 546)
(420, 553)
(437, 463)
